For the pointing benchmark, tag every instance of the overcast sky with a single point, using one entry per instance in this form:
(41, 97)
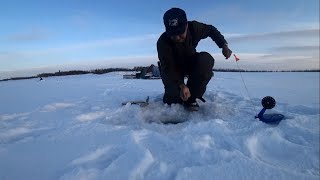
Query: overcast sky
(39, 36)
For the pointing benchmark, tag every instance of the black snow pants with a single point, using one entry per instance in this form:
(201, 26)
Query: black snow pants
(199, 72)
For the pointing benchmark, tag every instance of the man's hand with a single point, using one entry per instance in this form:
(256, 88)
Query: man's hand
(226, 51)
(184, 92)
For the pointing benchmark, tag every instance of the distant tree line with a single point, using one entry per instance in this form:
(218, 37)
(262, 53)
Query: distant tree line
(77, 72)
(137, 68)
(72, 72)
(63, 73)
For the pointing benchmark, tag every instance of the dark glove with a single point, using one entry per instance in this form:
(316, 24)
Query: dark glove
(226, 51)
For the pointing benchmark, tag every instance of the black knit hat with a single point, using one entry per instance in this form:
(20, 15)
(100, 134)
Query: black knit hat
(175, 21)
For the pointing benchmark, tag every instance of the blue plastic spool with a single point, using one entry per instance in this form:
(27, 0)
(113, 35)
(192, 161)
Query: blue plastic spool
(269, 102)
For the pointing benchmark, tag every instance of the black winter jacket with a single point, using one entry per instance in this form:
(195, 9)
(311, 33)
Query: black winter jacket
(174, 56)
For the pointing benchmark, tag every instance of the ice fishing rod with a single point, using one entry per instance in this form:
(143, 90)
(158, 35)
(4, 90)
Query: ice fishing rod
(267, 102)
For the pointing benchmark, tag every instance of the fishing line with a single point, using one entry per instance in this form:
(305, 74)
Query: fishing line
(246, 88)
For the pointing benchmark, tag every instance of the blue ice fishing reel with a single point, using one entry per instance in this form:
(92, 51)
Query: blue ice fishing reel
(269, 102)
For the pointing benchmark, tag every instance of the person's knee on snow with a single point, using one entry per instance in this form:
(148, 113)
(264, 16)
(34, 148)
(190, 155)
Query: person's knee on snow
(171, 94)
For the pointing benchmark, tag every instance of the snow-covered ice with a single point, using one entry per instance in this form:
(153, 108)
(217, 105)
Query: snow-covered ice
(74, 127)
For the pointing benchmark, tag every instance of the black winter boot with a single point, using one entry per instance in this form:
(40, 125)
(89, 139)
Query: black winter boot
(191, 104)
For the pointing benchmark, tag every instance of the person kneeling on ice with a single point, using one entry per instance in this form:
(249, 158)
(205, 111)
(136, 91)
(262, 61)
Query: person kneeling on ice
(178, 58)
